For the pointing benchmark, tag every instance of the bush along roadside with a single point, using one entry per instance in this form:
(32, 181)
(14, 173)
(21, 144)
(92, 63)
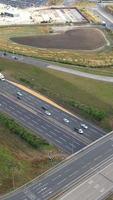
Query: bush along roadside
(89, 110)
(15, 128)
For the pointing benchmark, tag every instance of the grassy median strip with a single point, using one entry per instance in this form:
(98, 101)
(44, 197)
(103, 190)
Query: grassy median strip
(21, 158)
(23, 133)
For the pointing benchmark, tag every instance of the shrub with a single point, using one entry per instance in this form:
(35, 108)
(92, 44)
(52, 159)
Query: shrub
(15, 128)
(91, 111)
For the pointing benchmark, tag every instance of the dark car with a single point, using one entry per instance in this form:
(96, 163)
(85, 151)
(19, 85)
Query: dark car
(4, 53)
(43, 107)
(15, 58)
(79, 130)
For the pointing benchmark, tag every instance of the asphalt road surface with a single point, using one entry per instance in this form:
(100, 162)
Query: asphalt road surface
(105, 16)
(23, 3)
(40, 124)
(73, 171)
(57, 116)
(97, 187)
(82, 74)
(41, 63)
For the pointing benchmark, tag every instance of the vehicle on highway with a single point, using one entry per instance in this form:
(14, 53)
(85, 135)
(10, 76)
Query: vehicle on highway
(47, 113)
(66, 120)
(4, 54)
(84, 126)
(43, 107)
(103, 23)
(19, 95)
(2, 78)
(79, 130)
(14, 57)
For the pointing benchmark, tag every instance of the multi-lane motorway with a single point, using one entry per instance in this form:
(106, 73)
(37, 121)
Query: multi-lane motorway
(73, 171)
(29, 112)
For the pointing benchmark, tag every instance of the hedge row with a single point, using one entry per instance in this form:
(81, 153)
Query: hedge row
(15, 128)
(91, 111)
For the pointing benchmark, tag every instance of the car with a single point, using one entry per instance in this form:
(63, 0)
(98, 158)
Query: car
(79, 130)
(4, 54)
(84, 126)
(15, 58)
(47, 113)
(2, 79)
(43, 107)
(66, 120)
(19, 95)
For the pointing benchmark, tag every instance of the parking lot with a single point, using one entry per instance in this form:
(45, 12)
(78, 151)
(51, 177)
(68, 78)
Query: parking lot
(23, 3)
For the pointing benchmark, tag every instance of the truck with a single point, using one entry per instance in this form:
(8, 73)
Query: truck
(2, 78)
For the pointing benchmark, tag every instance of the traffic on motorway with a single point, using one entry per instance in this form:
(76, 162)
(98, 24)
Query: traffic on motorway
(70, 173)
(74, 124)
(68, 132)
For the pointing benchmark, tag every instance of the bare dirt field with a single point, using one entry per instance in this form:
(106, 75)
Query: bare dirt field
(77, 39)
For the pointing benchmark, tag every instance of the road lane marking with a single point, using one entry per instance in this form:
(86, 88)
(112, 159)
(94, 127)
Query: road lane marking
(38, 95)
(59, 183)
(53, 179)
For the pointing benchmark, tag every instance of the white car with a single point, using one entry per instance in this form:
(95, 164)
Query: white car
(80, 131)
(84, 126)
(47, 113)
(2, 79)
(19, 95)
(66, 120)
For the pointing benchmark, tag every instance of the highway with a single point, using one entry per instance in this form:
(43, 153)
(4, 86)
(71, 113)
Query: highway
(97, 187)
(57, 116)
(28, 111)
(40, 124)
(72, 171)
(105, 16)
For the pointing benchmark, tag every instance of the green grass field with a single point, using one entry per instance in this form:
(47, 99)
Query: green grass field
(63, 88)
(20, 163)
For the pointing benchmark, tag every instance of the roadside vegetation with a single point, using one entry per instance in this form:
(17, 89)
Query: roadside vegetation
(86, 97)
(85, 8)
(20, 160)
(109, 8)
(110, 197)
(104, 71)
(15, 128)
